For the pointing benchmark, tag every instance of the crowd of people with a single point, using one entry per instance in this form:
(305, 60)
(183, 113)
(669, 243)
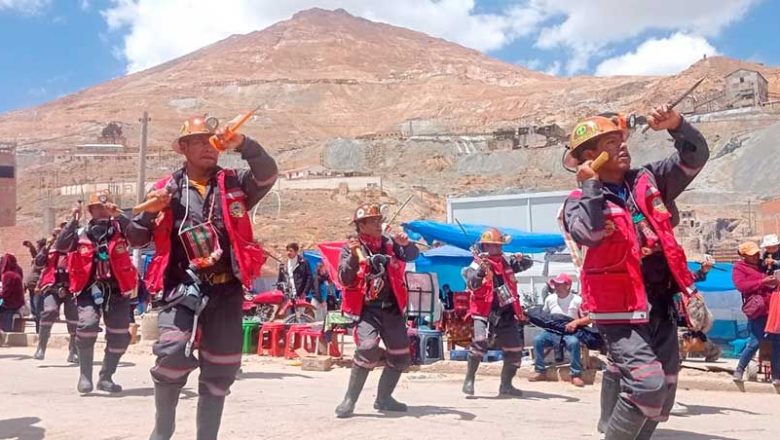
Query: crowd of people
(635, 285)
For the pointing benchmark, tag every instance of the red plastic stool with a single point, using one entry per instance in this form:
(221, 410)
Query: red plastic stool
(333, 349)
(312, 338)
(274, 330)
(294, 339)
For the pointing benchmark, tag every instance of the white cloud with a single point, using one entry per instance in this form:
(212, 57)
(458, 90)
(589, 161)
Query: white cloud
(37, 92)
(24, 6)
(663, 56)
(85, 5)
(588, 27)
(578, 31)
(554, 68)
(157, 31)
(533, 64)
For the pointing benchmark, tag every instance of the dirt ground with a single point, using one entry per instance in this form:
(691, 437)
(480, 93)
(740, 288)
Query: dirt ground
(272, 400)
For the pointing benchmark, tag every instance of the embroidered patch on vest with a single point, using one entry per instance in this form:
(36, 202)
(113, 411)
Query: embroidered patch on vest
(609, 227)
(121, 248)
(237, 209)
(84, 250)
(658, 204)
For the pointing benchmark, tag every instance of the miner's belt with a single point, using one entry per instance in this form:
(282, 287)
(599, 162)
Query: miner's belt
(381, 304)
(219, 278)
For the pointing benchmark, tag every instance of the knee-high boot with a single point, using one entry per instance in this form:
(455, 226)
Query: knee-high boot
(357, 378)
(384, 398)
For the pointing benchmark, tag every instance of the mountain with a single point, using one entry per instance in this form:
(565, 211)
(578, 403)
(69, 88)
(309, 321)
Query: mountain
(323, 77)
(324, 74)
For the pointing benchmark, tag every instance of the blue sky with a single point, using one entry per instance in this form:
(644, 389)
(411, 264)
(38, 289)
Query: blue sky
(56, 47)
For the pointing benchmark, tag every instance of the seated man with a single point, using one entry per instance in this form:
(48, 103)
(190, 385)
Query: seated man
(562, 303)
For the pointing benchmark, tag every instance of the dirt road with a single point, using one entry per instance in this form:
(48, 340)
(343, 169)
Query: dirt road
(276, 401)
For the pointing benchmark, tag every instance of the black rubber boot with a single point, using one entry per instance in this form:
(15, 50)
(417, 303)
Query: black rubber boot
(43, 340)
(610, 390)
(209, 416)
(507, 374)
(357, 378)
(166, 397)
(73, 357)
(625, 423)
(86, 358)
(471, 374)
(647, 430)
(384, 398)
(105, 383)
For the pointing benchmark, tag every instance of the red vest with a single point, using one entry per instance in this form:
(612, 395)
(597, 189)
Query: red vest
(247, 253)
(81, 260)
(49, 273)
(612, 285)
(355, 294)
(482, 298)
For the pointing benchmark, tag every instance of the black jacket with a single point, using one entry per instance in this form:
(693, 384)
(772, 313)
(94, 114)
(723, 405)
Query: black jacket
(303, 280)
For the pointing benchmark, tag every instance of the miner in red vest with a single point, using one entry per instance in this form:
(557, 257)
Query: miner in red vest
(199, 221)
(495, 308)
(371, 269)
(623, 218)
(103, 279)
(55, 291)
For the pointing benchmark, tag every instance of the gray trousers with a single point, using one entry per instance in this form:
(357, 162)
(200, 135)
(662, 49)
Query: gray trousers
(645, 360)
(116, 316)
(507, 336)
(51, 309)
(387, 325)
(218, 345)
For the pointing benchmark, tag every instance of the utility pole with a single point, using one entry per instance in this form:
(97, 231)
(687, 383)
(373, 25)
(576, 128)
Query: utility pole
(141, 184)
(141, 187)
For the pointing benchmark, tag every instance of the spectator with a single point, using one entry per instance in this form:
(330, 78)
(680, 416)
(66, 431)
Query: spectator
(446, 297)
(564, 302)
(756, 287)
(323, 290)
(12, 292)
(38, 252)
(770, 259)
(296, 273)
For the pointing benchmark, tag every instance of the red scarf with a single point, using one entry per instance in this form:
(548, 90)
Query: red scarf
(374, 244)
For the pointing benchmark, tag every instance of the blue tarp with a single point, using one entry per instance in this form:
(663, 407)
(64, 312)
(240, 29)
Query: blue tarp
(718, 279)
(526, 242)
(446, 262)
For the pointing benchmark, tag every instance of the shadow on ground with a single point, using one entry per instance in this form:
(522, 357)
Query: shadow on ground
(421, 411)
(528, 395)
(186, 393)
(21, 429)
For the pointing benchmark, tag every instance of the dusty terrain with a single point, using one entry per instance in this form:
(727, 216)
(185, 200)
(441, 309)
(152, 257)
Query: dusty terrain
(275, 401)
(325, 77)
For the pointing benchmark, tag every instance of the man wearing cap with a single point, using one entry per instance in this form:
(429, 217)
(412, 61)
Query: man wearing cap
(103, 279)
(495, 308)
(198, 219)
(633, 265)
(54, 291)
(770, 259)
(371, 270)
(561, 302)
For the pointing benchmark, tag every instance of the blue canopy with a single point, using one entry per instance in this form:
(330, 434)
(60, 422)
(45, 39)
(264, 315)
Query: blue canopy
(718, 279)
(526, 242)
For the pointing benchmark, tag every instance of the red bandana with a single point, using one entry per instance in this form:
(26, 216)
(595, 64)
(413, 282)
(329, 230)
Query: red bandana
(374, 244)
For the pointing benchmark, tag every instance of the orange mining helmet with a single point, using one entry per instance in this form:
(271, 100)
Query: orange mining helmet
(194, 126)
(589, 129)
(99, 198)
(367, 210)
(493, 236)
